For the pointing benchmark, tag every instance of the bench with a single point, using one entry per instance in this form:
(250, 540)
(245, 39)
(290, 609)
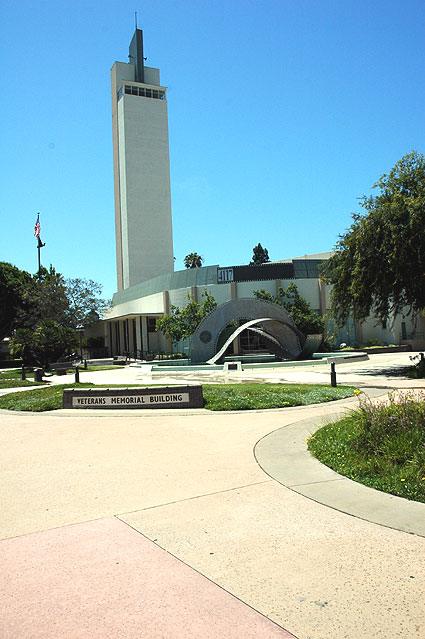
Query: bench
(61, 367)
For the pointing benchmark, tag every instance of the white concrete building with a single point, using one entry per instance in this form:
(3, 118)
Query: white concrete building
(147, 285)
(143, 225)
(129, 325)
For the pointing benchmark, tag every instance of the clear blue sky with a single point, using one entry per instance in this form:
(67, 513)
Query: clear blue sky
(281, 114)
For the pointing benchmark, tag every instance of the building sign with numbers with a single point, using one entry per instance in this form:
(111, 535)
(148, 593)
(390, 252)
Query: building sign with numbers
(225, 275)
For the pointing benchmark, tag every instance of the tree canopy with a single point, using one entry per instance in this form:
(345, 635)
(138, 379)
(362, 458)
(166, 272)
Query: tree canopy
(13, 284)
(84, 303)
(379, 264)
(45, 299)
(48, 342)
(181, 323)
(306, 319)
(193, 260)
(41, 311)
(260, 255)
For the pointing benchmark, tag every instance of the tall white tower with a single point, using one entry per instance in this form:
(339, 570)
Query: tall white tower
(141, 170)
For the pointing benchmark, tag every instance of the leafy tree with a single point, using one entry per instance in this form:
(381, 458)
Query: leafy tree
(181, 323)
(306, 319)
(85, 305)
(193, 260)
(13, 284)
(45, 299)
(260, 255)
(52, 341)
(49, 341)
(21, 342)
(379, 264)
(26, 300)
(43, 310)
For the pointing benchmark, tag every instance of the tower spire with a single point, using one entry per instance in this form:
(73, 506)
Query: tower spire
(136, 53)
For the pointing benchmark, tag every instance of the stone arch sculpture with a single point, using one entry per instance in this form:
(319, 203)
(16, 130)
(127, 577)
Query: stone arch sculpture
(266, 318)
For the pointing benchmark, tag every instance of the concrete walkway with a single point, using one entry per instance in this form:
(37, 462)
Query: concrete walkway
(164, 525)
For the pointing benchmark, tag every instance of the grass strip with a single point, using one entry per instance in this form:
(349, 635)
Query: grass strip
(19, 383)
(381, 445)
(224, 397)
(227, 397)
(12, 378)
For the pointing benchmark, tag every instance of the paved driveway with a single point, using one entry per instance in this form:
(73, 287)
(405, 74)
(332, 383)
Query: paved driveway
(164, 525)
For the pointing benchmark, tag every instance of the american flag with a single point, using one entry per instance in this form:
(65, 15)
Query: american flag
(37, 226)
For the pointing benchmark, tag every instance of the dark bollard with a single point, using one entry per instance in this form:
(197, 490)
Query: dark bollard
(23, 373)
(85, 364)
(77, 375)
(38, 374)
(333, 375)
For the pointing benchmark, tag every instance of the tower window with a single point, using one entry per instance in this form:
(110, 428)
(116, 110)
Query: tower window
(141, 92)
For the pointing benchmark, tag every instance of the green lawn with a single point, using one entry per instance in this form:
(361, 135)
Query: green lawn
(255, 396)
(380, 445)
(225, 397)
(12, 378)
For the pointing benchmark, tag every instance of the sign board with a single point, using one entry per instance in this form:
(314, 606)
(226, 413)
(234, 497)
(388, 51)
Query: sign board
(145, 397)
(225, 275)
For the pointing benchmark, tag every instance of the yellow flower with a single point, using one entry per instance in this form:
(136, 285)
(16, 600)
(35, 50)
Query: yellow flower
(357, 392)
(402, 480)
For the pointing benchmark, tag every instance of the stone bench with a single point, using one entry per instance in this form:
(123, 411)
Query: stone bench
(61, 367)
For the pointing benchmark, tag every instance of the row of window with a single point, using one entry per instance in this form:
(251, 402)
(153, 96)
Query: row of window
(142, 92)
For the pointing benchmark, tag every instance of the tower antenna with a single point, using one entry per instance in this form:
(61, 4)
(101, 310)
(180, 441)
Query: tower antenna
(135, 18)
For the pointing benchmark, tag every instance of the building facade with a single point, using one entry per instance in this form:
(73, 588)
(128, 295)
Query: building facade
(147, 285)
(143, 226)
(129, 325)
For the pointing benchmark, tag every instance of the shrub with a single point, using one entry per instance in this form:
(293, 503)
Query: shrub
(48, 341)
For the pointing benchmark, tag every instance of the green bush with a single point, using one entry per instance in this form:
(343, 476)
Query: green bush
(374, 341)
(93, 342)
(49, 341)
(417, 371)
(380, 444)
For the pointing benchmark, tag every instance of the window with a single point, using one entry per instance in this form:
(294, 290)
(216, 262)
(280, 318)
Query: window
(141, 92)
(151, 324)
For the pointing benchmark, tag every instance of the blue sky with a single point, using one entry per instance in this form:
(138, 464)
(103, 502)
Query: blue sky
(281, 114)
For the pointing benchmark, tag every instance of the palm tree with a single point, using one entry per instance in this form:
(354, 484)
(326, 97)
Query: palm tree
(193, 260)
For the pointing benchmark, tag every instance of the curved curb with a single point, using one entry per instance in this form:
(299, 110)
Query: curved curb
(283, 455)
(185, 412)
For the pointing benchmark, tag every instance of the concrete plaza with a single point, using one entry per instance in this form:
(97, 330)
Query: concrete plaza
(189, 523)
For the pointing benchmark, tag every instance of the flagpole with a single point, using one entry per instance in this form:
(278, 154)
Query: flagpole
(39, 242)
(39, 257)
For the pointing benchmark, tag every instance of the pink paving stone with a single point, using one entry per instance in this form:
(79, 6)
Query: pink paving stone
(103, 579)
